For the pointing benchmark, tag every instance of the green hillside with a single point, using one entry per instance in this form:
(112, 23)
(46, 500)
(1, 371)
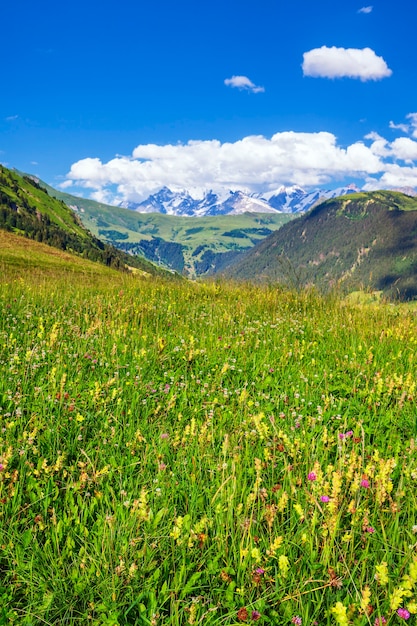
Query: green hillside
(27, 209)
(361, 241)
(29, 261)
(193, 246)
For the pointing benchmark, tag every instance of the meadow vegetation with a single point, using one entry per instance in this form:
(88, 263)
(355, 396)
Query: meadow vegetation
(177, 453)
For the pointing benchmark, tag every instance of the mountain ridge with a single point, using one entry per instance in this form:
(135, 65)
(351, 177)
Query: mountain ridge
(293, 199)
(366, 240)
(27, 209)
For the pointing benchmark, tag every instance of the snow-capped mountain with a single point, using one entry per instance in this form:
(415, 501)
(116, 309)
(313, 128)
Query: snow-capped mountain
(295, 200)
(282, 200)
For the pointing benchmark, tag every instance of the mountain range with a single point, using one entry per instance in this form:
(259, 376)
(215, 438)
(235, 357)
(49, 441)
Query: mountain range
(292, 199)
(364, 241)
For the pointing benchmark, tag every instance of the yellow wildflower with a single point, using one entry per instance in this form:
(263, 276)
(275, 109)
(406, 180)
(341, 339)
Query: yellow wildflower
(284, 565)
(382, 573)
(340, 614)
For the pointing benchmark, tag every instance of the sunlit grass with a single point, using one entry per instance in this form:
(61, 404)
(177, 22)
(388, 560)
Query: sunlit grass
(204, 454)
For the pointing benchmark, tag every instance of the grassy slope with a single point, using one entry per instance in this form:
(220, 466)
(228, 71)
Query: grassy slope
(195, 236)
(21, 188)
(204, 454)
(28, 260)
(27, 209)
(361, 241)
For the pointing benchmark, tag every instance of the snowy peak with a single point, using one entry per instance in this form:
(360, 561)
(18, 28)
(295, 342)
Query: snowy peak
(292, 199)
(296, 200)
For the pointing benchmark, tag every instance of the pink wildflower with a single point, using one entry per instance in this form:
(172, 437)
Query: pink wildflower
(325, 498)
(312, 476)
(256, 615)
(403, 613)
(365, 483)
(370, 529)
(296, 620)
(380, 621)
(164, 436)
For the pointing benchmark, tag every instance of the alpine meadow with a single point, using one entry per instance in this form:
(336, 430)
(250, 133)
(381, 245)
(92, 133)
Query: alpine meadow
(202, 453)
(208, 313)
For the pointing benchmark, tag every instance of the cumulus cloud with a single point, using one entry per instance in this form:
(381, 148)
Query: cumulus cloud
(366, 9)
(253, 164)
(333, 62)
(243, 82)
(405, 149)
(379, 146)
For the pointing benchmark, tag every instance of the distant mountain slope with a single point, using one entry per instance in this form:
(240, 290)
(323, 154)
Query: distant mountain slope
(365, 240)
(193, 246)
(27, 209)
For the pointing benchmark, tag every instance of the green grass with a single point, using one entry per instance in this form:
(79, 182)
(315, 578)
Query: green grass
(203, 454)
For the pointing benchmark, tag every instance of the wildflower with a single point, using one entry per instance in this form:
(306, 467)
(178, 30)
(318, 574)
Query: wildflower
(412, 607)
(396, 598)
(312, 476)
(284, 565)
(256, 554)
(260, 571)
(340, 614)
(403, 613)
(370, 529)
(256, 615)
(325, 498)
(365, 483)
(299, 510)
(380, 621)
(366, 597)
(242, 614)
(164, 436)
(296, 620)
(1, 467)
(382, 573)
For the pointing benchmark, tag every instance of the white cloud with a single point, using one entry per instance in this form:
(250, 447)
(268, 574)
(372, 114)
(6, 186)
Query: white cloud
(66, 184)
(403, 127)
(379, 145)
(11, 118)
(334, 62)
(243, 82)
(254, 163)
(366, 9)
(413, 118)
(404, 148)
(394, 177)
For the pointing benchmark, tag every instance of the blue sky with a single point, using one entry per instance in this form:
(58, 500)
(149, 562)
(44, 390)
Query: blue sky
(114, 100)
